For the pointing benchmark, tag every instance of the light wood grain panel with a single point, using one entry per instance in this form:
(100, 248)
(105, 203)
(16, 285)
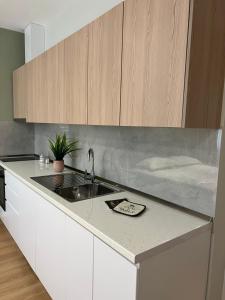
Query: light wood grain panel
(47, 86)
(104, 68)
(17, 280)
(37, 91)
(20, 93)
(206, 65)
(74, 108)
(55, 83)
(154, 55)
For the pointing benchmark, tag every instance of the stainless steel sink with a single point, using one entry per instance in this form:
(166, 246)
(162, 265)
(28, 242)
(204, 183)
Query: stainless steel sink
(85, 191)
(74, 187)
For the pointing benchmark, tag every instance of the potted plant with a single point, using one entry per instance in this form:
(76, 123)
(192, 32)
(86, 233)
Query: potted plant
(60, 147)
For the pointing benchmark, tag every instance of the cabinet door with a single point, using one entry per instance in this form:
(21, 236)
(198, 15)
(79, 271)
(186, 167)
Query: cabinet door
(37, 90)
(114, 276)
(10, 218)
(20, 93)
(74, 108)
(51, 250)
(46, 86)
(55, 83)
(21, 212)
(104, 68)
(79, 261)
(154, 57)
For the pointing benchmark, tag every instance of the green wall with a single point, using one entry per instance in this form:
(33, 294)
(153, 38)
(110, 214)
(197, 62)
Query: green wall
(11, 57)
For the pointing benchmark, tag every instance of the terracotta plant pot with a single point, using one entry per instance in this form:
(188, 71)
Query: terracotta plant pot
(58, 165)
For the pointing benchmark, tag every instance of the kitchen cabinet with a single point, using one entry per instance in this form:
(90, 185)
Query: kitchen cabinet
(58, 249)
(46, 86)
(154, 55)
(79, 261)
(104, 68)
(152, 63)
(170, 275)
(72, 263)
(59, 83)
(74, 108)
(177, 273)
(21, 217)
(20, 93)
(64, 255)
(114, 276)
(54, 83)
(10, 218)
(173, 63)
(37, 90)
(50, 250)
(203, 99)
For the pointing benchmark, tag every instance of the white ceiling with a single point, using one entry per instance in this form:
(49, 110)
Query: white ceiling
(17, 14)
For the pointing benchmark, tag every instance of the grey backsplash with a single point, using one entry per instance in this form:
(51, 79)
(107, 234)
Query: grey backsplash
(121, 153)
(16, 138)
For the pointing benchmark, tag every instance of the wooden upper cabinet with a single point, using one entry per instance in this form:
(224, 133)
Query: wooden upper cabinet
(46, 86)
(206, 65)
(55, 83)
(20, 93)
(104, 68)
(74, 108)
(173, 63)
(154, 57)
(37, 90)
(153, 63)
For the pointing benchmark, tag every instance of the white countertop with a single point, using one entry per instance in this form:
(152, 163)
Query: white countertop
(158, 228)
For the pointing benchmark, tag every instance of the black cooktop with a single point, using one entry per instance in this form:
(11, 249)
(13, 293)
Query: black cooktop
(23, 157)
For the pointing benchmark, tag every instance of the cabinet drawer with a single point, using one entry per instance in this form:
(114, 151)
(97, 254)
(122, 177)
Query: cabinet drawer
(15, 185)
(21, 216)
(10, 218)
(20, 189)
(12, 198)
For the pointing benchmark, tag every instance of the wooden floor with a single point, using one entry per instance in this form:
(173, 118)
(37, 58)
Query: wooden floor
(17, 280)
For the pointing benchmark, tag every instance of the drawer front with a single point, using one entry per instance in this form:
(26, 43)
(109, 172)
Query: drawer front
(10, 218)
(23, 202)
(13, 198)
(15, 184)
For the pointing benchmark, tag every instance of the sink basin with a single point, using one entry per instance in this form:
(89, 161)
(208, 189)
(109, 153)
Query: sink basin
(74, 187)
(85, 191)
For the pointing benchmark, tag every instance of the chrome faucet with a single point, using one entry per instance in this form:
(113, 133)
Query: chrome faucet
(91, 155)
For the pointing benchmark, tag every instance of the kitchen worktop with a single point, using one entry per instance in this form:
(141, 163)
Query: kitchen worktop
(160, 227)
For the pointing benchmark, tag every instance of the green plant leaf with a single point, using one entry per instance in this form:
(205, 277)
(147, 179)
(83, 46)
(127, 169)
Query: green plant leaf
(62, 146)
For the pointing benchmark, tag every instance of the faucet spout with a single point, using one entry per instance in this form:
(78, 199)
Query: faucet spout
(91, 156)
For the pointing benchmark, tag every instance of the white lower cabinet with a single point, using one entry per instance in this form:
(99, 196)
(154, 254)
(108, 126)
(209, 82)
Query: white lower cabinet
(20, 217)
(58, 249)
(10, 218)
(50, 250)
(115, 278)
(64, 255)
(79, 265)
(74, 265)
